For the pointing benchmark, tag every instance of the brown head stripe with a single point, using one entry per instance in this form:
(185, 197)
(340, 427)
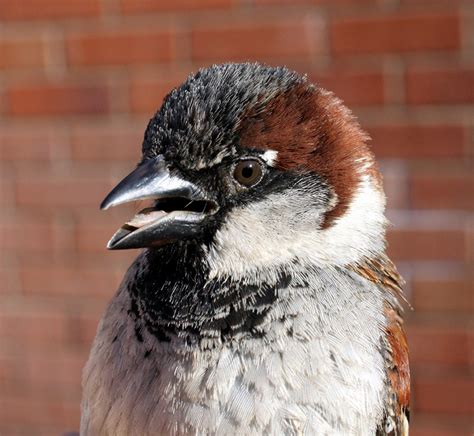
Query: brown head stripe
(311, 129)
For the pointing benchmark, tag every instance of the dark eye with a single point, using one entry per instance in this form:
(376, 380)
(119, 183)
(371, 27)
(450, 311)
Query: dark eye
(248, 172)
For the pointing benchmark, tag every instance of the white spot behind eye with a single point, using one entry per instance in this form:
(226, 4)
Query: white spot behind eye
(270, 157)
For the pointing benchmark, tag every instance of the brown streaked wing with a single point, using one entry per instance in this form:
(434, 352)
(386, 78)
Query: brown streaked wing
(398, 371)
(383, 272)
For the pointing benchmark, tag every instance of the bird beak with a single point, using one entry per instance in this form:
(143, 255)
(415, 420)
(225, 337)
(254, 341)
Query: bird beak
(178, 211)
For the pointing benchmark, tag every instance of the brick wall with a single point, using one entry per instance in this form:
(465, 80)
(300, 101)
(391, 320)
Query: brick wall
(79, 79)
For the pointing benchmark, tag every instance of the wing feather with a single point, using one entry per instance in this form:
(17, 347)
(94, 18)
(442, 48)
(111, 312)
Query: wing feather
(394, 345)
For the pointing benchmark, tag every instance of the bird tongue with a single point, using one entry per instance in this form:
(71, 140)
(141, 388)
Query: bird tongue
(141, 219)
(144, 217)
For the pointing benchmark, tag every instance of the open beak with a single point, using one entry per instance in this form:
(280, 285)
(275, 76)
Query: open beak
(178, 210)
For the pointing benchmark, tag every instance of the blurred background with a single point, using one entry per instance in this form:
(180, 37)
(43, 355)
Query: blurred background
(79, 80)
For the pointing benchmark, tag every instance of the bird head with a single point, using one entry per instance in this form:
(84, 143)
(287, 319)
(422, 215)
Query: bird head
(258, 167)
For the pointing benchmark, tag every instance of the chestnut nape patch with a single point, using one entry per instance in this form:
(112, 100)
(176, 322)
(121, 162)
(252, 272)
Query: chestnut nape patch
(310, 128)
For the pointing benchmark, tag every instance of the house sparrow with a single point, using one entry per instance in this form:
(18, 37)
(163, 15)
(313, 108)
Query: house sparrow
(263, 302)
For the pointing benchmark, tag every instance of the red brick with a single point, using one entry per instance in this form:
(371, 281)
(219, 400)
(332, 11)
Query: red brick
(56, 99)
(93, 232)
(107, 143)
(32, 389)
(27, 145)
(26, 235)
(439, 424)
(8, 279)
(45, 328)
(410, 245)
(395, 185)
(63, 368)
(146, 95)
(51, 376)
(444, 394)
(11, 368)
(69, 280)
(443, 191)
(25, 429)
(336, 3)
(44, 9)
(429, 295)
(121, 47)
(40, 412)
(256, 41)
(355, 88)
(6, 193)
(395, 33)
(436, 3)
(137, 6)
(93, 238)
(282, 2)
(452, 345)
(20, 53)
(88, 324)
(440, 86)
(62, 191)
(413, 141)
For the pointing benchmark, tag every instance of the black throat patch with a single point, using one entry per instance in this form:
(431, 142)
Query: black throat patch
(171, 297)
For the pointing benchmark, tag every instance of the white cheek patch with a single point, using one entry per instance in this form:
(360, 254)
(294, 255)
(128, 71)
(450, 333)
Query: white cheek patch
(270, 157)
(265, 235)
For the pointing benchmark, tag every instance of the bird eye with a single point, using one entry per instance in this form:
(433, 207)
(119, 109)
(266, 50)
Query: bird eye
(248, 172)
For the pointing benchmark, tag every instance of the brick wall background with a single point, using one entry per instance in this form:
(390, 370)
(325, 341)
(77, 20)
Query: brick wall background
(79, 80)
